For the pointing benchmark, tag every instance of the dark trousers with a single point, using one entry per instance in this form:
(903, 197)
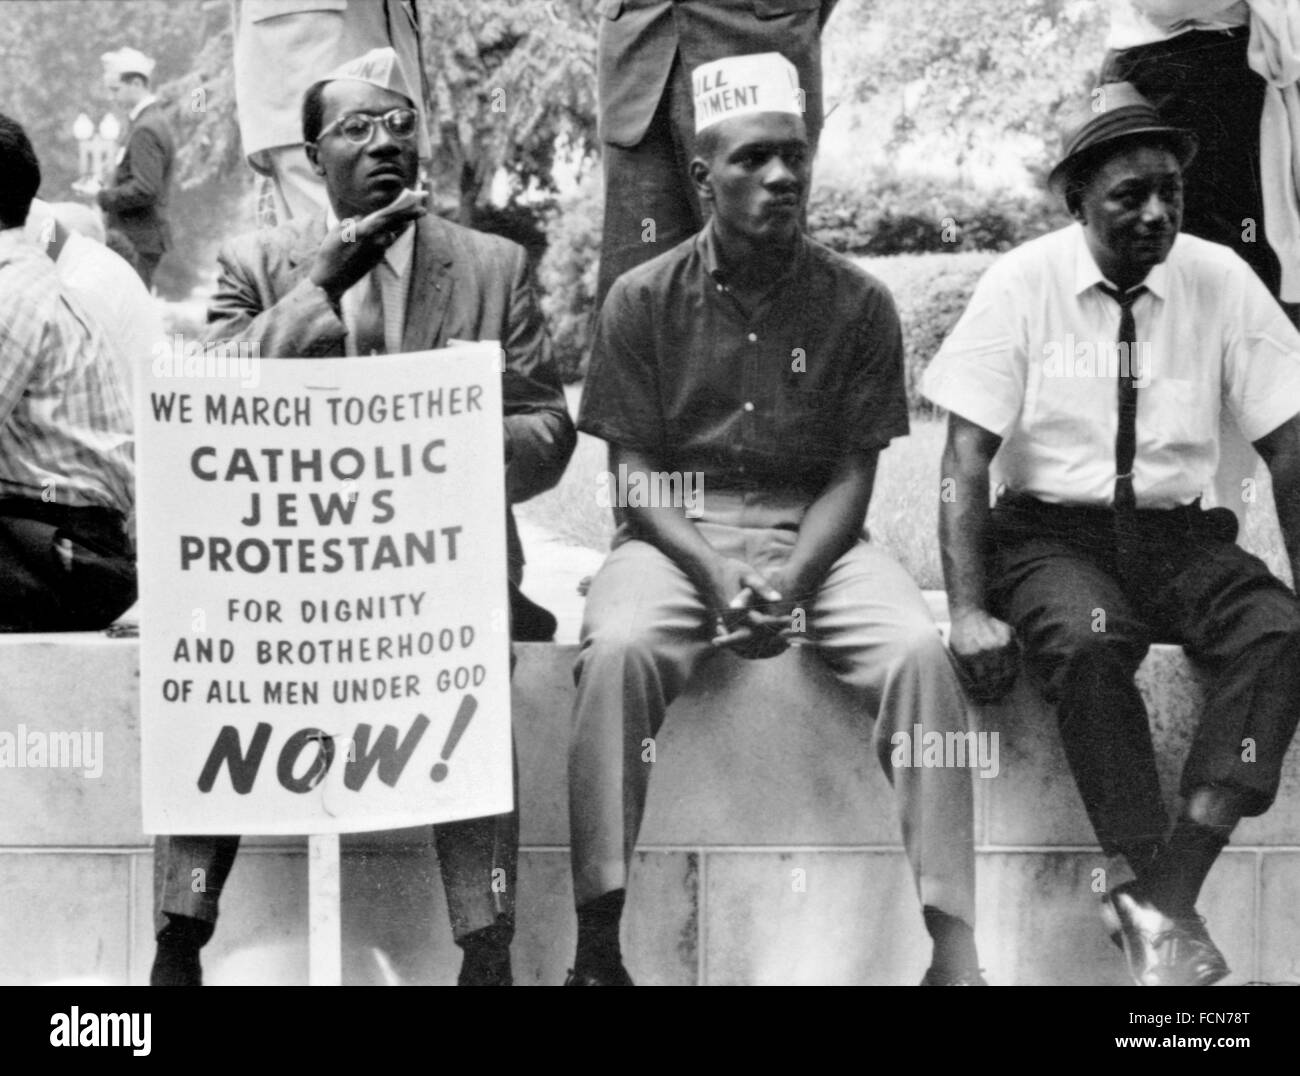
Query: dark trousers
(650, 201)
(146, 265)
(62, 568)
(190, 872)
(1087, 593)
(1201, 81)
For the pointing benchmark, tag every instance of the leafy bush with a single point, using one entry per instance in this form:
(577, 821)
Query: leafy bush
(931, 291)
(931, 278)
(567, 274)
(892, 214)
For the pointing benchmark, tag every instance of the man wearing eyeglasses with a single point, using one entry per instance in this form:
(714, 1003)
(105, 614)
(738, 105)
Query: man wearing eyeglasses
(378, 274)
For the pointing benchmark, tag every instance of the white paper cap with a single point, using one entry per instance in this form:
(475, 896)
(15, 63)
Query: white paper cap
(127, 61)
(379, 67)
(744, 85)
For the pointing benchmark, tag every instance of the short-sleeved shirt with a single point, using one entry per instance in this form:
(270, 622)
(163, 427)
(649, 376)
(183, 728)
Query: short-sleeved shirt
(1034, 360)
(65, 421)
(772, 401)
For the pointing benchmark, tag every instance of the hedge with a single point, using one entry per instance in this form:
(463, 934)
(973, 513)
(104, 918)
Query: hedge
(939, 242)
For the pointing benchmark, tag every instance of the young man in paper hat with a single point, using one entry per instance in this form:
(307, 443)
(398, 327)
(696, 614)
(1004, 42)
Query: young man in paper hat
(136, 201)
(381, 275)
(1085, 383)
(695, 371)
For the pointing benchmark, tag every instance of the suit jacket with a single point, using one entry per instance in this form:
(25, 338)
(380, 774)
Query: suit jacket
(464, 285)
(283, 46)
(136, 203)
(638, 40)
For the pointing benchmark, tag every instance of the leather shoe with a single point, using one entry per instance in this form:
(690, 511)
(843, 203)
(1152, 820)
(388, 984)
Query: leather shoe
(1162, 950)
(948, 978)
(599, 977)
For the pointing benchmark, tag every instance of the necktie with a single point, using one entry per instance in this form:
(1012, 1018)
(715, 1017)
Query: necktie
(1126, 435)
(369, 333)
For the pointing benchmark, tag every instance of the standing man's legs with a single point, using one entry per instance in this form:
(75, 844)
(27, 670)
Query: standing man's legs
(650, 201)
(147, 265)
(871, 625)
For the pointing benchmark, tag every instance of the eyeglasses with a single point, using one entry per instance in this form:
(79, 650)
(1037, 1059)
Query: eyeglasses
(359, 127)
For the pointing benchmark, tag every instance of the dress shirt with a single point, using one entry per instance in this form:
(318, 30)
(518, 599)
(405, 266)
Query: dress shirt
(65, 422)
(772, 400)
(1033, 360)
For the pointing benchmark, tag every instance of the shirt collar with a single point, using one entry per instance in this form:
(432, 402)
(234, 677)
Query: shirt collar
(398, 256)
(708, 248)
(1087, 275)
(141, 105)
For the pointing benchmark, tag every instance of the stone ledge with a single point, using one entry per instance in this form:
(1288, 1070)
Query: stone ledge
(764, 768)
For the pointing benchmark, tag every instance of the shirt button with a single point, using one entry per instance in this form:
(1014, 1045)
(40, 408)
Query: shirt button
(719, 287)
(753, 338)
(749, 405)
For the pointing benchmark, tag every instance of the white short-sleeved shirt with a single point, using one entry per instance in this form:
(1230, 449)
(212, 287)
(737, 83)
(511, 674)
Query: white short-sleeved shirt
(1034, 360)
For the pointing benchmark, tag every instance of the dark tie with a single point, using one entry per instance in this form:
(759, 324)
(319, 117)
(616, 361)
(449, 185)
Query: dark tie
(1126, 435)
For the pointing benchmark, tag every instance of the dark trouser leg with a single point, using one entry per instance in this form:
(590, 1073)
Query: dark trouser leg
(1083, 641)
(71, 571)
(1242, 625)
(650, 201)
(146, 266)
(189, 874)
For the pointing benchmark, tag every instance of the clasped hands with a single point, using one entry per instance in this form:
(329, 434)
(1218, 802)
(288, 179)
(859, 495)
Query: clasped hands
(754, 613)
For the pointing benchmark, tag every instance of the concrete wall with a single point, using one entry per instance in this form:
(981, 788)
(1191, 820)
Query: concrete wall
(762, 772)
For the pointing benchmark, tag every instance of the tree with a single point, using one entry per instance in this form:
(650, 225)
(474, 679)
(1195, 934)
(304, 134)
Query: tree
(511, 85)
(50, 70)
(975, 71)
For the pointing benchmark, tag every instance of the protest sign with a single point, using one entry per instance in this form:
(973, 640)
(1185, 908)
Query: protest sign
(323, 607)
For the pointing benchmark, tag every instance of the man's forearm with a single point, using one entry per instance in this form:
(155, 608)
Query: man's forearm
(541, 443)
(1281, 451)
(669, 530)
(963, 525)
(832, 523)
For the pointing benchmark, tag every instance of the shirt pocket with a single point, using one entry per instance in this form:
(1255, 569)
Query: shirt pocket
(1182, 414)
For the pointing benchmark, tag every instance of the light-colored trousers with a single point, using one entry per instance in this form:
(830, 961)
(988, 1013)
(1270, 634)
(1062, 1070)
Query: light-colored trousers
(645, 631)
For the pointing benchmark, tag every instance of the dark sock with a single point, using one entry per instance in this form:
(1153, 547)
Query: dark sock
(176, 959)
(954, 942)
(1175, 881)
(1142, 859)
(487, 956)
(598, 922)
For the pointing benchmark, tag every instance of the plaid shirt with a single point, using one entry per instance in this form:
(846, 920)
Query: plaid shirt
(65, 422)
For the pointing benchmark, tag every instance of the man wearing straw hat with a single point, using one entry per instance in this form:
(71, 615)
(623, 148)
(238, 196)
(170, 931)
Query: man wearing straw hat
(770, 371)
(1087, 376)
